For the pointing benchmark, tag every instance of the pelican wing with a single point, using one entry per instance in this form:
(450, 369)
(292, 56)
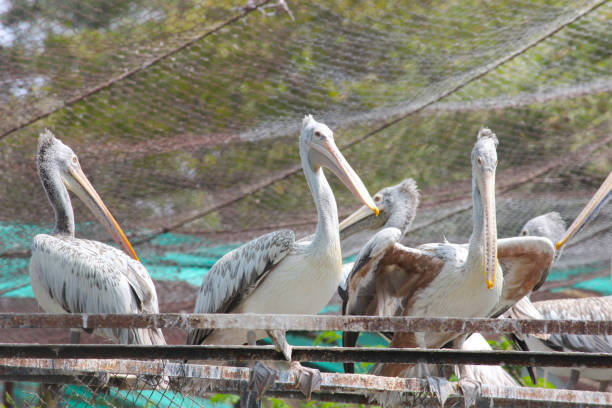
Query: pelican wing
(591, 308)
(384, 276)
(74, 275)
(360, 285)
(525, 262)
(233, 277)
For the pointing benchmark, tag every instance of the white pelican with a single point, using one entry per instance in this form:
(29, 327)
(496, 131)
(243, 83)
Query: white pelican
(437, 280)
(71, 275)
(275, 274)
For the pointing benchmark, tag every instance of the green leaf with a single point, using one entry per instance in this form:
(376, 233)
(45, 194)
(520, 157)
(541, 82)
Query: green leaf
(542, 383)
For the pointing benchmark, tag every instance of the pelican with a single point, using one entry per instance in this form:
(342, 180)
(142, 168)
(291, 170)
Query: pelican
(444, 279)
(71, 275)
(397, 206)
(276, 274)
(590, 308)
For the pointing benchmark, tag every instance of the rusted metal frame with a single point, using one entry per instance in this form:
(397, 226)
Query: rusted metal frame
(331, 382)
(187, 321)
(89, 380)
(329, 354)
(202, 380)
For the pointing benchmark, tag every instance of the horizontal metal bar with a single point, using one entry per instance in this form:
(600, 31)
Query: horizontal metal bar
(330, 354)
(305, 322)
(201, 380)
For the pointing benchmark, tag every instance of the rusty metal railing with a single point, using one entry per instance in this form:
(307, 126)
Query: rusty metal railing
(323, 354)
(304, 322)
(202, 380)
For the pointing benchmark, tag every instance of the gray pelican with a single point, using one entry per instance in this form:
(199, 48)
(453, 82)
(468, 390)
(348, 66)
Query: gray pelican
(276, 274)
(397, 206)
(590, 308)
(71, 275)
(443, 279)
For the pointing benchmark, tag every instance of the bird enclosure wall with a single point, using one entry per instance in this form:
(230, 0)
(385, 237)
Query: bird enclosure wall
(185, 116)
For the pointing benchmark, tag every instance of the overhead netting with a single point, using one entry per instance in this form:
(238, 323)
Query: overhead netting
(185, 116)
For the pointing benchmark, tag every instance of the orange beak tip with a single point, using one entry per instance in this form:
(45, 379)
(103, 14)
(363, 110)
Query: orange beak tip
(490, 285)
(558, 245)
(376, 211)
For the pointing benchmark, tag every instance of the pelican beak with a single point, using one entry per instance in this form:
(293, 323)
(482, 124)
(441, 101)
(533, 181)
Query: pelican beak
(326, 154)
(489, 250)
(361, 214)
(590, 211)
(361, 220)
(85, 191)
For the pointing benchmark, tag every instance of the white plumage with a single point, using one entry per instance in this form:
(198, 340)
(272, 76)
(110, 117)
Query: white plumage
(71, 275)
(444, 279)
(484, 374)
(275, 274)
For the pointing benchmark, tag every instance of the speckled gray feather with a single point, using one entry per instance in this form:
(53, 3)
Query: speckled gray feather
(82, 276)
(590, 308)
(233, 277)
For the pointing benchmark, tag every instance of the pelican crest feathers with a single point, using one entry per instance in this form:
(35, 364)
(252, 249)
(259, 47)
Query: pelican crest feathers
(410, 186)
(45, 140)
(487, 133)
(308, 119)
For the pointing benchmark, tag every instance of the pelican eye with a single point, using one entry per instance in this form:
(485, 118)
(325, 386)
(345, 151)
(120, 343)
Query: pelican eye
(317, 134)
(524, 232)
(377, 198)
(479, 161)
(75, 160)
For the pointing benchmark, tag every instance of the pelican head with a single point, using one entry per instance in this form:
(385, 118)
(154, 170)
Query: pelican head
(484, 163)
(549, 225)
(57, 163)
(317, 143)
(589, 212)
(397, 205)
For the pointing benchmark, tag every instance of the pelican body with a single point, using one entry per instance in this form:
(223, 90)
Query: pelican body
(444, 279)
(589, 308)
(397, 205)
(71, 275)
(552, 226)
(484, 374)
(274, 273)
